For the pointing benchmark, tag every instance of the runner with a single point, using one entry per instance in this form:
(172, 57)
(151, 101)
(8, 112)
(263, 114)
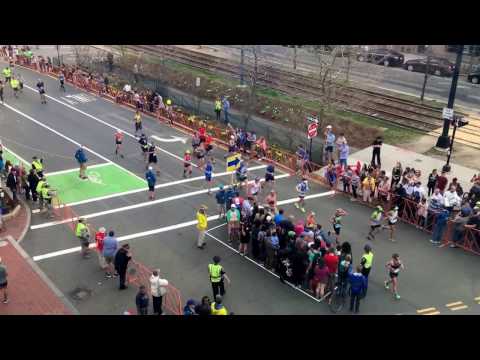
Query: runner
(20, 83)
(208, 174)
(15, 84)
(7, 72)
(394, 266)
(61, 78)
(143, 141)
(242, 173)
(138, 122)
(83, 234)
(336, 221)
(153, 159)
(254, 189)
(375, 222)
(270, 176)
(271, 201)
(392, 218)
(233, 223)
(200, 153)
(187, 164)
(151, 180)
(118, 143)
(302, 189)
(41, 91)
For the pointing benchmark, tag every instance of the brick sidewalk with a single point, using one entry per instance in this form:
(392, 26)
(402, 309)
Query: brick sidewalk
(30, 292)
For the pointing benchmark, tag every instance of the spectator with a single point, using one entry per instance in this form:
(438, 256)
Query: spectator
(122, 258)
(226, 109)
(141, 300)
(99, 239)
(329, 139)
(271, 246)
(442, 182)
(220, 196)
(376, 147)
(158, 289)
(3, 280)
(189, 308)
(368, 187)
(339, 142)
(217, 307)
(202, 226)
(12, 184)
(358, 285)
(320, 278)
(439, 227)
(474, 193)
(344, 151)
(82, 162)
(474, 221)
(204, 308)
(459, 227)
(451, 199)
(110, 246)
(422, 213)
(396, 174)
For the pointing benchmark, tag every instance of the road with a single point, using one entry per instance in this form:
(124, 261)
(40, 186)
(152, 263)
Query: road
(380, 77)
(161, 232)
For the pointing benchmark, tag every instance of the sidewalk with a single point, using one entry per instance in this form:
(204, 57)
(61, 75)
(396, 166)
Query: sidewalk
(29, 290)
(391, 154)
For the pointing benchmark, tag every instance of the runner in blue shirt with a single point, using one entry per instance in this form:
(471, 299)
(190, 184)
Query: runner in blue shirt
(151, 180)
(208, 174)
(302, 189)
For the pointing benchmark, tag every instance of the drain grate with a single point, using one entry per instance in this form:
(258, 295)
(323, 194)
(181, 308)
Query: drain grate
(81, 293)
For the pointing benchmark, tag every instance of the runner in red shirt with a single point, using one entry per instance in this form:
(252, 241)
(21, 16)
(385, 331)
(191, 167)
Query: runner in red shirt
(99, 237)
(187, 164)
(209, 146)
(202, 132)
(118, 143)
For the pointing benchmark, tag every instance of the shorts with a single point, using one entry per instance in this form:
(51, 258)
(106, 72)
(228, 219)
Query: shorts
(138, 126)
(208, 177)
(7, 80)
(269, 177)
(301, 197)
(118, 142)
(390, 223)
(4, 285)
(393, 275)
(337, 230)
(109, 259)
(151, 187)
(187, 165)
(144, 149)
(329, 149)
(373, 227)
(84, 243)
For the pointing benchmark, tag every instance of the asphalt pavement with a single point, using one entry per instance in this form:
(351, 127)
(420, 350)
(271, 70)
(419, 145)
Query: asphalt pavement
(161, 234)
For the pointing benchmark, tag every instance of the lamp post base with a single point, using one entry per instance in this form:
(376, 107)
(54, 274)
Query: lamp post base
(446, 168)
(443, 142)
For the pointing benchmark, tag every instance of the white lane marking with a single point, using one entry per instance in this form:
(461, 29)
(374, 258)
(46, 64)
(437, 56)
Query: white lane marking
(76, 169)
(261, 267)
(176, 182)
(17, 156)
(136, 206)
(474, 96)
(105, 123)
(159, 230)
(172, 139)
(72, 141)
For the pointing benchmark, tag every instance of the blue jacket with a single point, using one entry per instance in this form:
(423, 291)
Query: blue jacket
(142, 300)
(80, 156)
(230, 194)
(357, 283)
(151, 179)
(110, 245)
(221, 197)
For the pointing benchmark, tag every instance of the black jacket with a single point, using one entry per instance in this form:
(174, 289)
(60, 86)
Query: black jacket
(121, 260)
(32, 181)
(11, 181)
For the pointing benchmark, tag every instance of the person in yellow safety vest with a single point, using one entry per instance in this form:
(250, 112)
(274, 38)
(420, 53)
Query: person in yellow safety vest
(366, 263)
(7, 72)
(47, 197)
(202, 226)
(82, 233)
(218, 108)
(15, 84)
(217, 274)
(37, 165)
(39, 187)
(217, 307)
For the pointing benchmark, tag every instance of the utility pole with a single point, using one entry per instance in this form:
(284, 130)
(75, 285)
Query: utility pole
(443, 141)
(457, 121)
(427, 69)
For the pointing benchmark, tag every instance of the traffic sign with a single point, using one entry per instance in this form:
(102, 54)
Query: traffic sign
(233, 162)
(447, 113)
(312, 130)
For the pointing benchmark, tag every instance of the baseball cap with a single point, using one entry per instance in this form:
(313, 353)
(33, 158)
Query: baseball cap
(232, 206)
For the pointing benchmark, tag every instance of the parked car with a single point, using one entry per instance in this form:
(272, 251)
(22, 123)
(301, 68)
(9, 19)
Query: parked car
(437, 66)
(474, 75)
(384, 57)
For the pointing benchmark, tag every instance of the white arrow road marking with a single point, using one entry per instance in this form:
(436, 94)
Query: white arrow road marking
(172, 139)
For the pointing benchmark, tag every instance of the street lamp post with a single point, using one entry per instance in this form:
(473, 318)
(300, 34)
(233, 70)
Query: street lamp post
(443, 141)
(427, 69)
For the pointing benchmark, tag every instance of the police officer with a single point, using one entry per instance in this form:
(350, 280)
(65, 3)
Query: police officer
(37, 165)
(47, 198)
(217, 275)
(7, 72)
(39, 188)
(218, 108)
(366, 263)
(83, 234)
(15, 84)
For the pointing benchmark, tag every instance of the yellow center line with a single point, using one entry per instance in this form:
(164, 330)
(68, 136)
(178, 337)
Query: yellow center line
(421, 311)
(455, 303)
(459, 308)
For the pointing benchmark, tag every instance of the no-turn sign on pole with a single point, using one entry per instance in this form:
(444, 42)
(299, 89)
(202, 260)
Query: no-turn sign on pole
(312, 131)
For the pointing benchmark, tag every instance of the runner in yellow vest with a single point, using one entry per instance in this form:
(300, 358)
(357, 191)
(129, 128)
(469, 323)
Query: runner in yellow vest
(15, 84)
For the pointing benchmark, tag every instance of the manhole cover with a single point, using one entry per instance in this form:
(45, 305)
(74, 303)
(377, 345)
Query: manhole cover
(80, 294)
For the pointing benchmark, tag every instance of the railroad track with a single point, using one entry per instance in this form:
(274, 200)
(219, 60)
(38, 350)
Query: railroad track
(363, 101)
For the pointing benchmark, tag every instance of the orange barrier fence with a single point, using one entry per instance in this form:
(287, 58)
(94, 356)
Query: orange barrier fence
(139, 274)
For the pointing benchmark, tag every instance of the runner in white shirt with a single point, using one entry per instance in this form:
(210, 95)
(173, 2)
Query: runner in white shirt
(255, 188)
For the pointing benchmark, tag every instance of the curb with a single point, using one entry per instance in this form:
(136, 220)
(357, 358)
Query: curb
(42, 275)
(29, 219)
